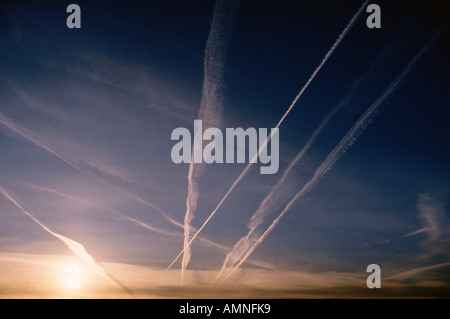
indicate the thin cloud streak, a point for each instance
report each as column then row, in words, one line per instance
column 352, row 135
column 431, row 213
column 16, row 128
column 77, row 248
column 277, row 194
column 250, row 164
column 117, row 213
column 210, row 106
column 27, row 135
column 204, row 241
column 102, row 69
column 324, row 60
column 413, row 272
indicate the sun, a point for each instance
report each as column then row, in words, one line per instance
column 73, row 276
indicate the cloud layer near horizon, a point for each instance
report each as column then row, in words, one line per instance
column 85, row 123
column 46, row 278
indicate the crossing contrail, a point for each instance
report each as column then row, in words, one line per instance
column 277, row 194
column 247, row 168
column 347, row 141
column 205, row 241
column 210, row 106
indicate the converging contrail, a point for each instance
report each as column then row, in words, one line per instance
column 250, row 164
column 277, row 194
column 205, row 241
column 210, row 106
column 77, row 248
column 347, row 141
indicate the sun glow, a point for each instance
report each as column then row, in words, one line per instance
column 73, row 276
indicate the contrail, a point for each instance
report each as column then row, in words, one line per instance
column 414, row 272
column 105, row 207
column 277, row 195
column 29, row 137
column 250, row 164
column 329, row 53
column 210, row 106
column 347, row 141
column 204, row 241
column 77, row 248
column 23, row 132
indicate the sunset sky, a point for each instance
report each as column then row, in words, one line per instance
column 86, row 175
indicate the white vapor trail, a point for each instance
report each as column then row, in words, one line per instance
column 77, row 248
column 277, row 194
column 250, row 164
column 23, row 132
column 204, row 241
column 327, row 56
column 346, row 142
column 29, row 136
column 210, row 106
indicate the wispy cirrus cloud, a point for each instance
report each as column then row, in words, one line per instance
column 210, row 106
column 156, row 229
column 435, row 224
column 31, row 137
column 160, row 95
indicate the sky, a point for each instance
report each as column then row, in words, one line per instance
column 87, row 178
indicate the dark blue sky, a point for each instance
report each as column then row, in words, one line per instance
column 86, row 117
